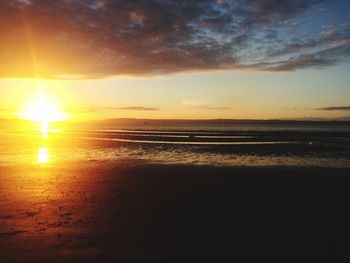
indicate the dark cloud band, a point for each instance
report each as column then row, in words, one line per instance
column 99, row 38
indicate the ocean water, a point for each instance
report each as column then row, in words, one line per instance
column 219, row 144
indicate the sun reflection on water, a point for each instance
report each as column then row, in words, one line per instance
column 43, row 156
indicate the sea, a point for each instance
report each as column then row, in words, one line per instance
column 306, row 144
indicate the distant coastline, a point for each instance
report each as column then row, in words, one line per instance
column 8, row 124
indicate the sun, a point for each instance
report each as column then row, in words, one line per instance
column 43, row 110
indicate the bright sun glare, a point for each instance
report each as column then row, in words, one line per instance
column 44, row 111
column 43, row 156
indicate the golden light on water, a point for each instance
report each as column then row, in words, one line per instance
column 43, row 156
column 45, row 111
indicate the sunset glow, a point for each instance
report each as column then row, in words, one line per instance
column 43, row 111
column 174, row 130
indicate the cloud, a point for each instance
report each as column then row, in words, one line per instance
column 205, row 107
column 101, row 38
column 323, row 58
column 99, row 109
column 336, row 108
column 139, row 108
column 200, row 105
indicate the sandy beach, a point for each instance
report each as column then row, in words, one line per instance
column 135, row 211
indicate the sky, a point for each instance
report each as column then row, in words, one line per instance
column 232, row 59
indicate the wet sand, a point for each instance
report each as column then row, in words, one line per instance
column 132, row 211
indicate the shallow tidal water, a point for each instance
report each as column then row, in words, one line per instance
column 329, row 147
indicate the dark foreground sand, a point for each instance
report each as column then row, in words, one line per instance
column 134, row 212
